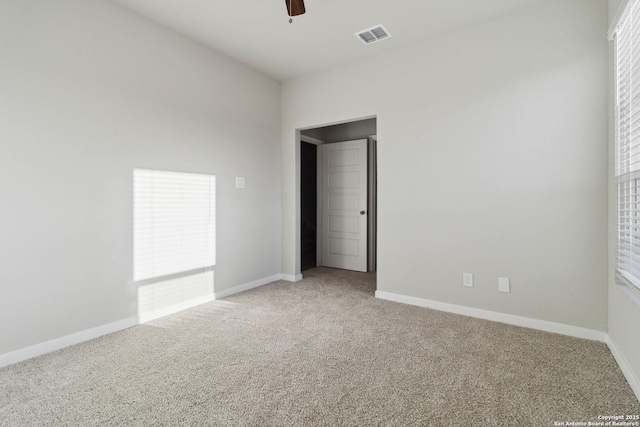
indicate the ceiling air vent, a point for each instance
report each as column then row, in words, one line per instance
column 373, row 34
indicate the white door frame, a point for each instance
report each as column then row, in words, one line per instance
column 372, row 219
column 372, row 208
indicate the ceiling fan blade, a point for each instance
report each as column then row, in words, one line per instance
column 295, row 7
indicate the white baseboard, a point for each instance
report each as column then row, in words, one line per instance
column 66, row 341
column 175, row 308
column 247, row 286
column 543, row 325
column 624, row 367
column 89, row 334
column 292, row 278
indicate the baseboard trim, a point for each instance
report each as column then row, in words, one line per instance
column 247, row 286
column 65, row 341
column 89, row 334
column 291, row 277
column 633, row 381
column 542, row 325
column 174, row 308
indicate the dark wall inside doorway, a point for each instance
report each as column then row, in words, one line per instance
column 308, row 205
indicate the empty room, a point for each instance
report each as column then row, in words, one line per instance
column 319, row 212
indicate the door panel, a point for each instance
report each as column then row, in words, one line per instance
column 346, row 247
column 344, row 201
column 348, row 157
column 343, row 224
column 344, row 205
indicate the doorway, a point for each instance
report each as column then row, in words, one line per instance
column 314, row 227
column 344, row 218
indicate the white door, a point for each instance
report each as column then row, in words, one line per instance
column 344, row 205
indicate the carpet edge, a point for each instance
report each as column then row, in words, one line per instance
column 247, row 286
column 39, row 349
column 511, row 319
column 628, row 373
column 59, row 343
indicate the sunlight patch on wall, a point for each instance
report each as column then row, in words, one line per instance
column 174, row 240
column 173, row 295
column 174, row 222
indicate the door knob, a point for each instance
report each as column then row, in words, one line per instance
column 362, row 212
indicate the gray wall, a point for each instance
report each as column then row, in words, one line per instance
column 88, row 92
column 491, row 160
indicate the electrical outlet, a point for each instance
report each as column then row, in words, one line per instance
column 239, row 182
column 467, row 280
column 503, row 284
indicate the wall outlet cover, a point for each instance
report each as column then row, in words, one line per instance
column 467, row 280
column 239, row 182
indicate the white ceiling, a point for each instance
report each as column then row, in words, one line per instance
column 257, row 32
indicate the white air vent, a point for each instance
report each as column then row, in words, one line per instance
column 373, row 34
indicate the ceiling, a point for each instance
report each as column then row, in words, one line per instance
column 258, row 34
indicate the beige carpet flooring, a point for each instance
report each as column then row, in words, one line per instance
column 320, row 352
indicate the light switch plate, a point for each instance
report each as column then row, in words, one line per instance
column 239, row 182
column 503, row 284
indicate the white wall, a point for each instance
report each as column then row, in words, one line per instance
column 624, row 312
column 491, row 160
column 88, row 92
